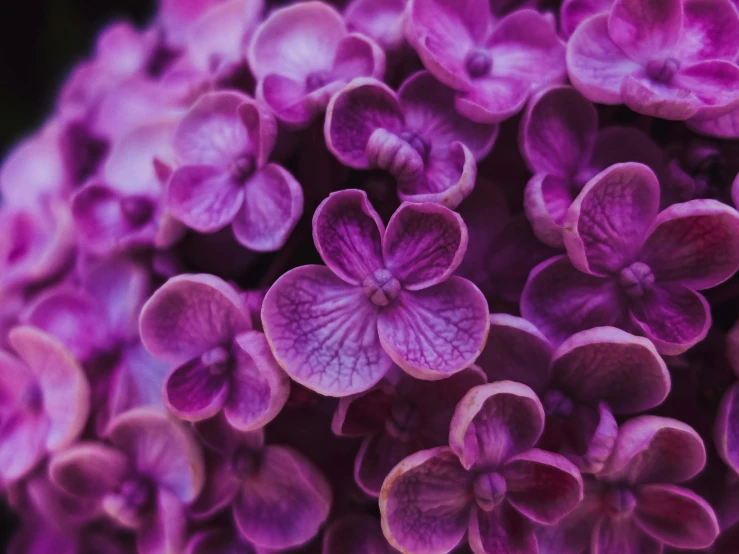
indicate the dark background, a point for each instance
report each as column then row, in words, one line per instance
column 40, row 40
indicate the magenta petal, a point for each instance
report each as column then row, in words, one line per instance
column 259, row 387
column 558, row 131
column 358, row 56
column 516, row 351
column 381, row 20
column 593, row 437
column 287, row 98
column 608, row 222
column 348, row 234
column 501, row 530
column 574, row 12
column 655, row 449
column 379, row 454
column 424, row 244
column 494, row 422
column 360, row 414
column 88, row 469
column 22, row 445
column 710, row 30
column 425, row 502
column 218, row 540
column 194, row 392
column 358, row 534
column 546, row 201
column 675, row 516
column 285, row 504
column 621, row 535
column 166, row 529
column 323, row 332
column 219, row 490
column 663, row 100
column 273, row 204
column 493, row 100
column 625, row 144
column 726, row 126
column 189, row 315
column 607, row 364
column 673, row 317
column 435, row 332
column 714, row 84
column 645, row 28
column 448, row 180
column 695, row 243
column 726, row 432
column 560, row 300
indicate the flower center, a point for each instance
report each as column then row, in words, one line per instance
column 416, row 141
column 218, row 359
column 662, row 71
column 137, row 209
column 242, row 167
column 636, row 279
column 478, row 63
column 489, row 490
column 403, row 421
column 317, row 79
column 244, row 462
column 381, row 287
column 619, row 502
column 557, row 404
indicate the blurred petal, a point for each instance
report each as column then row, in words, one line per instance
column 726, row 433
column 621, row 536
column 88, row 469
column 165, row 530
column 358, row 534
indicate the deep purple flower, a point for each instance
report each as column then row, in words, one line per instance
column 398, row 419
column 633, row 268
column 222, row 146
column 278, row 498
column 302, row 54
column 591, row 376
column 44, row 401
column 670, row 59
column 381, row 20
column 143, row 480
column 490, row 482
column 386, row 296
column 415, row 134
column 493, row 65
column 564, row 149
column 358, row 534
column 200, row 324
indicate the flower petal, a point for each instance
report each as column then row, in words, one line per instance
column 424, row 244
column 358, row 56
column 193, row 392
column 645, row 29
column 621, row 536
column 607, row 364
column 348, row 235
column 573, row 12
column 425, row 502
column 22, row 445
column 493, row 99
column 165, row 530
column 714, row 84
column 377, row 456
column 591, row 437
column 657, row 99
column 558, row 131
column 218, row 540
column 219, row 490
column 546, row 201
column 501, row 530
column 615, row 145
column 675, row 516
column 609, row 220
column 710, row 30
column 726, row 126
column 726, row 432
column 655, row 449
column 88, row 469
column 381, row 20
column 695, row 243
column 361, row 414
column 494, row 422
column 285, row 504
column 189, row 315
column 435, row 332
column 323, row 332
column 359, row 534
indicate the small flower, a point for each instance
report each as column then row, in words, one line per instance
column 630, row 267
column 355, row 533
column 669, row 59
column 200, row 324
column 493, row 65
column 386, row 296
column 399, row 420
column 143, row 480
column 490, row 483
column 302, row 54
column 415, row 134
column 222, row 146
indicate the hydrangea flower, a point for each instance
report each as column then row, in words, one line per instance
column 493, row 65
column 359, row 534
column 633, row 268
column 200, row 324
column 668, row 59
column 490, row 482
column 228, row 181
column 591, row 376
column 415, row 134
column 302, row 54
column 45, row 401
column 278, row 498
column 142, row 480
column 399, row 418
column 386, row 296
column 563, row 147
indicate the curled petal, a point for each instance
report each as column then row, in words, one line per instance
column 386, row 150
column 377, row 456
column 546, row 201
column 88, row 469
column 194, row 392
column 726, row 433
column 592, row 439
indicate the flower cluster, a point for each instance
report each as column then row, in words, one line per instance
column 377, row 276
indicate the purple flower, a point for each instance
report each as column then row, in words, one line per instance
column 386, row 296
column 633, row 268
column 302, row 54
column 222, row 146
column 200, row 324
column 44, row 401
column 381, row 20
column 359, row 534
column 143, row 480
column 562, row 146
column 726, row 433
column 399, row 419
column 493, row 65
column 591, row 376
column 490, row 482
column 278, row 498
column 416, row 135
column 668, row 59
